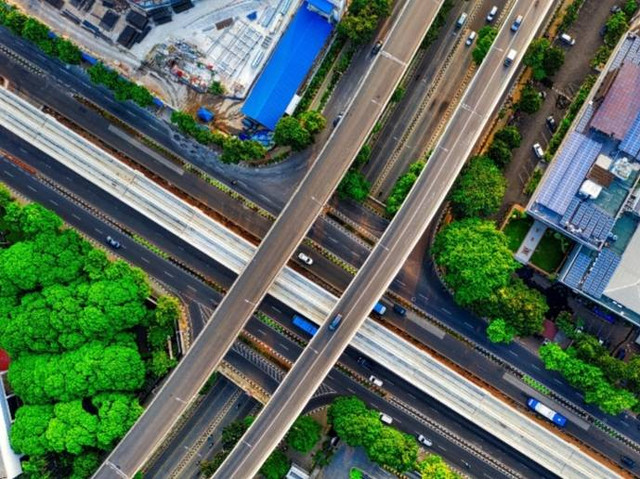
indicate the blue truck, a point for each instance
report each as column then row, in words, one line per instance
column 556, row 418
column 379, row 308
column 304, row 324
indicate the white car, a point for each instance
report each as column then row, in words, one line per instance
column 305, row 259
column 470, row 38
column 386, row 419
column 537, row 149
column 424, row 441
column 376, row 381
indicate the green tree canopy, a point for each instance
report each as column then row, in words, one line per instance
column 276, row 466
column 304, row 434
column 476, row 258
column 499, row 331
column 499, row 152
column 289, row 132
column 486, row 36
column 312, row 121
column 354, row 185
column 510, row 135
column 617, row 25
column 479, row 189
column 433, row 467
column 530, row 100
column 543, row 58
column 394, row 449
column 403, row 186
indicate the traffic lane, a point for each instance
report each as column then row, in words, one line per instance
column 376, row 274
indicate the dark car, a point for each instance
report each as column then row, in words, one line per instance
column 551, row 123
column 376, row 48
column 399, row 309
column 627, row 461
column 364, row 362
column 115, row 244
column 337, row 119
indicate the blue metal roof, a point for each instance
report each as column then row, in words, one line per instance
column 324, row 6
column 204, row 114
column 287, row 68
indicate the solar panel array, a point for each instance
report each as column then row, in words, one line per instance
column 622, row 52
column 577, row 271
column 603, row 268
column 568, row 172
column 592, row 223
column 633, row 54
column 583, row 123
column 571, row 209
column 631, row 142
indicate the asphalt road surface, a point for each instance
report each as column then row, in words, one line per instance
column 252, row 285
column 201, row 297
column 390, row 253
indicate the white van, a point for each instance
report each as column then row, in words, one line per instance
column 386, row 419
column 510, row 58
column 492, row 14
column 376, row 381
column 567, row 39
column 461, row 20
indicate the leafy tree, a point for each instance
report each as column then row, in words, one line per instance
column 534, row 57
column 617, row 25
column 216, row 88
column 85, row 465
column 235, row 150
column 630, row 8
column 116, row 413
column 209, row 468
column 433, row 467
column 36, row 467
column 499, row 152
column 398, row 94
column 479, row 189
column 553, row 60
column 510, row 135
column 500, row 332
column 486, row 36
column 354, row 185
column 476, row 258
column 28, row 432
column 521, row 307
column 232, row 433
column 313, row 121
column 167, row 311
column 289, row 132
column 402, row 187
column 67, row 51
column 276, row 466
column 362, row 157
column 15, row 21
column 354, row 422
column 304, row 434
column 393, row 449
column 71, row 429
column 160, row 363
column 566, row 324
column 530, row 100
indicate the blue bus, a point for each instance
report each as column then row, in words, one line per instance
column 304, row 324
column 557, row 418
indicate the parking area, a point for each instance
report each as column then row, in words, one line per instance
column 566, row 82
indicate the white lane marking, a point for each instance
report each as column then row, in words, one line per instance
column 191, row 288
column 97, row 230
column 283, row 347
column 8, row 174
column 169, row 274
column 144, row 259
column 53, row 202
column 32, row 188
column 75, row 216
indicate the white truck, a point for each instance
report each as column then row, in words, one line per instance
column 510, row 58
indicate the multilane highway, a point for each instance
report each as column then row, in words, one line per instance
column 251, row 286
column 430, row 190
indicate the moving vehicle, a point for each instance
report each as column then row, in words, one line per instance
column 470, row 38
column 424, row 441
column 515, row 26
column 379, row 308
column 305, row 259
column 461, row 20
column 337, row 119
column 399, row 309
column 551, row 123
column 376, row 48
column 364, row 362
column 386, row 419
column 335, row 322
column 537, row 149
column 492, row 13
column 627, row 461
column 115, row 244
column 376, row 381
column 510, row 58
column 550, row 414
column 304, row 324
column 567, row 39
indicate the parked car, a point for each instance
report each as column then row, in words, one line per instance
column 424, row 441
column 386, row 419
column 567, row 39
column 537, row 149
column 115, row 244
column 492, row 13
column 616, row 9
column 551, row 123
column 305, row 259
column 461, row 20
column 376, row 48
column 470, row 38
column 515, row 26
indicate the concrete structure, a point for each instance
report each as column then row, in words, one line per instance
column 9, row 460
column 290, row 287
column 590, row 191
column 296, row 472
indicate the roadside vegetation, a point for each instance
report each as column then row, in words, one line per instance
column 360, row 426
column 84, row 342
column 298, row 131
column 403, row 186
column 486, row 36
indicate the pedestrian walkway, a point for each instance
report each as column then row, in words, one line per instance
column 530, row 243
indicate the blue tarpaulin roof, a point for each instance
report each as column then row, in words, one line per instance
column 287, row 67
column 324, row 6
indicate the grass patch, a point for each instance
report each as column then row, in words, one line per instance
column 551, row 251
column 515, row 230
